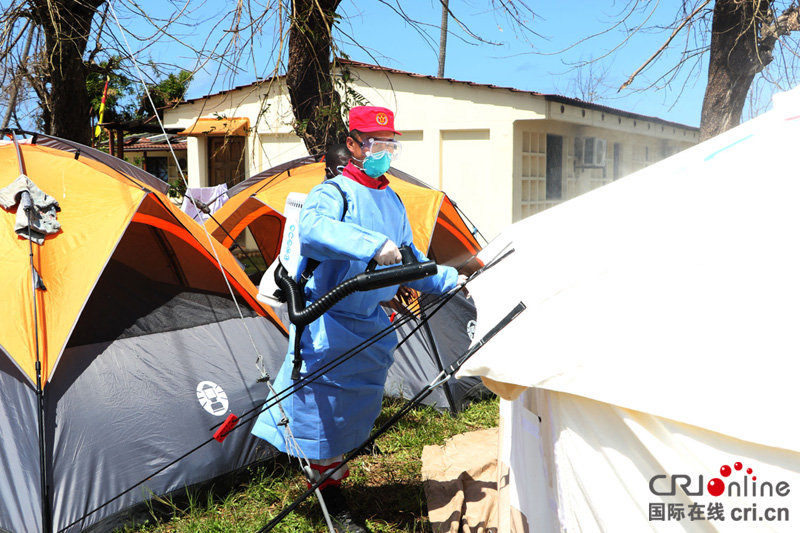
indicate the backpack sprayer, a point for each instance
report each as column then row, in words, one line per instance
column 280, row 283
column 288, row 255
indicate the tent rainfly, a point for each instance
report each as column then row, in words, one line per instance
column 135, row 340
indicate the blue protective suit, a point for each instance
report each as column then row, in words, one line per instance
column 336, row 412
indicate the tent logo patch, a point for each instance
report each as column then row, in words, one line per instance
column 735, row 488
column 471, row 325
column 212, row 398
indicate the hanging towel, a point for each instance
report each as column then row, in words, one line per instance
column 36, row 215
column 208, row 200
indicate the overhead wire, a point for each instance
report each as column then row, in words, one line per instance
column 259, row 359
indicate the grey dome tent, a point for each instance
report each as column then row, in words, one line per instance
column 138, row 336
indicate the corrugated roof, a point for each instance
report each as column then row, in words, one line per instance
column 549, row 97
column 135, row 143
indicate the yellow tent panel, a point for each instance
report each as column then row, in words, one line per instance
column 98, row 204
column 94, row 212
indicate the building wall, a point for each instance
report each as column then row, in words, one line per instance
column 459, row 140
column 485, row 147
column 270, row 142
column 631, row 144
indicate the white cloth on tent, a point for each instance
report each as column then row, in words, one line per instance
column 208, row 200
column 589, row 466
column 659, row 343
column 673, row 291
column 38, row 221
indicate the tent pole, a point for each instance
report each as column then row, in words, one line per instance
column 40, row 398
column 46, row 526
column 447, row 392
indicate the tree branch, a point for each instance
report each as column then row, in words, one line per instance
column 665, row 45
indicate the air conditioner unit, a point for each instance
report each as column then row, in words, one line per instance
column 590, row 152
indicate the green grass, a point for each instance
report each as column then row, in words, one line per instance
column 384, row 486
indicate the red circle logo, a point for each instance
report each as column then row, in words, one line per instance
column 716, row 487
column 382, row 119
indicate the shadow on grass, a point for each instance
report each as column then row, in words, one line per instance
column 398, row 507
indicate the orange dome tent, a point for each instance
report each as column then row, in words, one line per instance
column 124, row 351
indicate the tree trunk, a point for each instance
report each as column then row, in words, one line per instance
column 315, row 102
column 736, row 39
column 66, row 25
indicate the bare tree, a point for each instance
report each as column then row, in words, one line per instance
column 312, row 55
column 739, row 38
column 18, row 78
column 60, row 78
column 306, row 65
column 743, row 39
column 589, row 82
column 315, row 101
column 64, row 43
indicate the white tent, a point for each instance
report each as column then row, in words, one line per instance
column 661, row 339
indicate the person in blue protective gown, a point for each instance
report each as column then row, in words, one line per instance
column 335, row 413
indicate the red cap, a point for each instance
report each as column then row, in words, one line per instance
column 369, row 118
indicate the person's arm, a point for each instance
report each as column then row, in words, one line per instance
column 324, row 236
column 445, row 279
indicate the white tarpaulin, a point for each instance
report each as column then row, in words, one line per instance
column 673, row 293
column 588, row 466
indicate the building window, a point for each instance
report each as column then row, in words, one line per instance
column 617, row 160
column 555, row 163
column 542, row 172
column 157, row 166
column 641, row 157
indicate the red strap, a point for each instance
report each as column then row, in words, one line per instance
column 356, row 174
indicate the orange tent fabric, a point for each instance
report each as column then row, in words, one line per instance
column 258, row 202
column 98, row 205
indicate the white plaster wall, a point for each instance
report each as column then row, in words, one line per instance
column 458, row 137
column 277, row 148
column 270, row 142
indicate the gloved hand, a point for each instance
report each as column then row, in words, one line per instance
column 462, row 282
column 388, row 254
